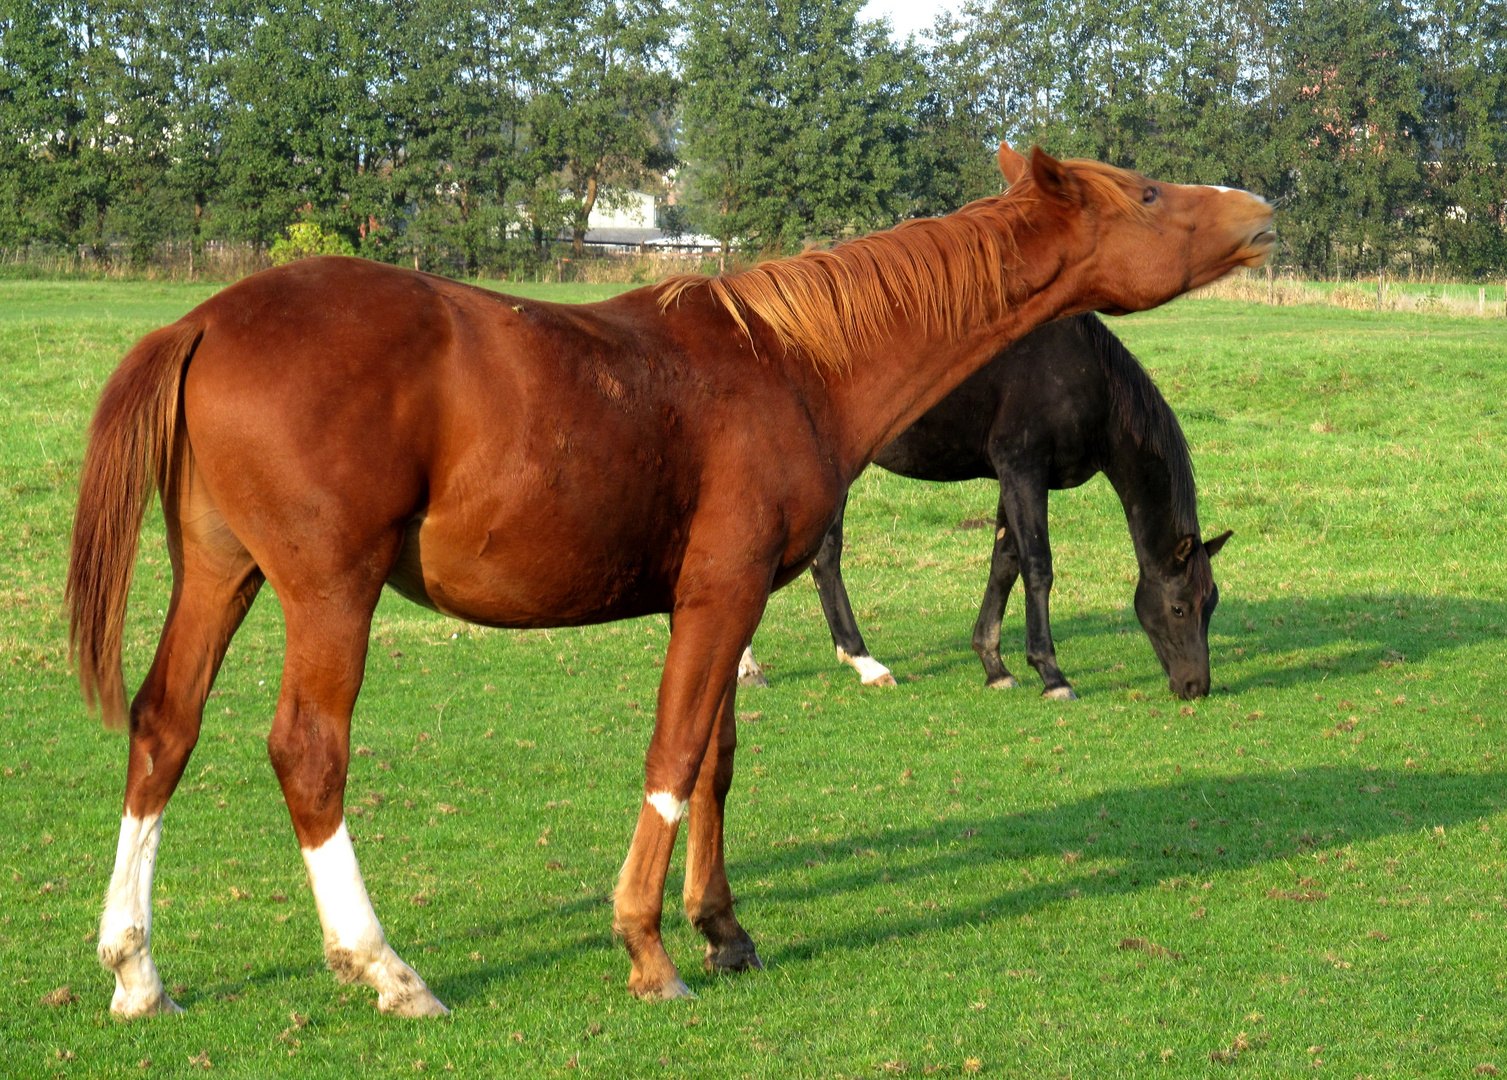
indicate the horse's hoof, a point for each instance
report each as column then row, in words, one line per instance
column 734, row 956
column 413, row 1006
column 870, row 671
column 160, row 1006
column 1007, row 683
column 1060, row 693
column 671, row 990
column 752, row 678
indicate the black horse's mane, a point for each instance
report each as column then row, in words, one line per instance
column 1147, row 419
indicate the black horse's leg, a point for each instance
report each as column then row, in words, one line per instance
column 1004, row 568
column 749, row 671
column 827, row 572
column 1024, row 498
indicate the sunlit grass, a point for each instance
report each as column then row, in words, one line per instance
column 940, row 877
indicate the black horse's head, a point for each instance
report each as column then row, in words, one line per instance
column 1174, row 600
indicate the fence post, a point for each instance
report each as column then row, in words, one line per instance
column 1271, row 285
column 1381, row 288
column 1481, row 300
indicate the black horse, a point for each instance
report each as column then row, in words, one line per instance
column 1063, row 403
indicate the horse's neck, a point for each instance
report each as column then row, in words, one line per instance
column 888, row 389
column 1143, row 481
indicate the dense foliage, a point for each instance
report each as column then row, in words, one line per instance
column 472, row 137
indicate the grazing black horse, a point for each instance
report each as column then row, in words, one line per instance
column 1063, row 403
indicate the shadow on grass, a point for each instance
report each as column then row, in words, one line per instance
column 1124, row 841
column 1109, row 845
column 1352, row 633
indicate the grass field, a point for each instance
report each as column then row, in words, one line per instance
column 941, row 878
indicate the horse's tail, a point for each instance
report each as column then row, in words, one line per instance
column 130, row 451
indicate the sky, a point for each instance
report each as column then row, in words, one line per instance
column 908, row 15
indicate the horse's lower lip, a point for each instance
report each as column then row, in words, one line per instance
column 1263, row 239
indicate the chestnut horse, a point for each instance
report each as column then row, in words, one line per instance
column 335, row 425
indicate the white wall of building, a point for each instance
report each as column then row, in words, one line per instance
column 636, row 211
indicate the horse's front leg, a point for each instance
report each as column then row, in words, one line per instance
column 310, row 749
column 709, row 630
column 708, row 897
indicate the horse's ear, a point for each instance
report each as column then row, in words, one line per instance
column 1184, row 549
column 1054, row 179
column 1211, row 547
column 1012, row 164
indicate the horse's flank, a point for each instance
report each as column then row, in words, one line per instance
column 946, row 274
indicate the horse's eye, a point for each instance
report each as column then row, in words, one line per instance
column 1179, row 610
column 1150, row 194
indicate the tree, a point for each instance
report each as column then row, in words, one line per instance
column 1351, row 130
column 199, row 43
column 601, row 99
column 794, row 112
column 1465, row 89
column 34, row 62
column 307, row 133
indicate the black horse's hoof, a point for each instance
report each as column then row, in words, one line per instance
column 738, row 955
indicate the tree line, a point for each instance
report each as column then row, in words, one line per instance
column 476, row 136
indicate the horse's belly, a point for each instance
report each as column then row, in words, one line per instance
column 517, row 578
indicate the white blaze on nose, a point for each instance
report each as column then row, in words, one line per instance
column 670, row 808
column 1239, row 191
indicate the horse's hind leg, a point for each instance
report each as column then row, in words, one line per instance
column 1004, row 568
column 214, row 583
column 826, row 571
column 310, row 748
column 708, row 897
column 749, row 671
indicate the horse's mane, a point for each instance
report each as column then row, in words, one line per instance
column 949, row 273
column 1147, row 418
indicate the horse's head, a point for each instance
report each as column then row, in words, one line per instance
column 1128, row 243
column 1174, row 599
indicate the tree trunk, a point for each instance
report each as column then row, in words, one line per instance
column 583, row 218
column 193, row 241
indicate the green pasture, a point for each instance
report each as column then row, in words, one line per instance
column 1465, row 291
column 1302, row 874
